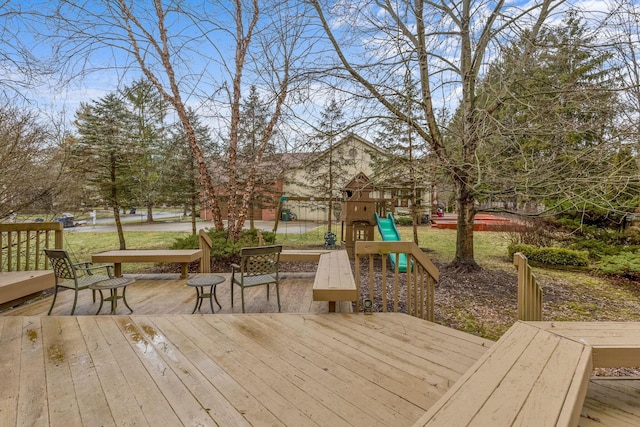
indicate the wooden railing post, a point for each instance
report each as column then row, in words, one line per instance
column 204, row 243
column 529, row 292
column 421, row 276
column 21, row 244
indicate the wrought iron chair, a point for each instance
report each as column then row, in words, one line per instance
column 258, row 266
column 76, row 276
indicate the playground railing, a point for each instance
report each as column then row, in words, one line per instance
column 411, row 292
column 529, row 292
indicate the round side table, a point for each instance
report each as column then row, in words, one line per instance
column 113, row 285
column 200, row 282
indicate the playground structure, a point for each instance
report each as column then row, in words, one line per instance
column 360, row 213
column 357, row 216
column 389, row 233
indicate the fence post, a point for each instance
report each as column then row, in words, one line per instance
column 204, row 243
column 529, row 292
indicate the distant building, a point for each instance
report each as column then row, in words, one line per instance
column 310, row 176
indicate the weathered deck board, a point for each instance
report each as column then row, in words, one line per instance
column 253, row 369
column 10, row 343
column 334, row 279
column 612, row 402
column 318, row 361
column 163, row 366
column 616, row 345
column 512, row 382
column 32, row 412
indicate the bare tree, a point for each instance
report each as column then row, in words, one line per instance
column 182, row 48
column 28, row 175
column 20, row 68
column 448, row 46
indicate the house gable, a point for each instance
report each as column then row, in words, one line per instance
column 352, row 155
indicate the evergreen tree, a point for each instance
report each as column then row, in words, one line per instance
column 103, row 152
column 181, row 184
column 552, row 140
column 254, row 116
column 408, row 165
column 148, row 111
column 324, row 176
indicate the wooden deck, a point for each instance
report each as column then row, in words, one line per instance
column 612, row 402
column 164, row 366
column 160, row 294
column 230, row 370
column 542, row 371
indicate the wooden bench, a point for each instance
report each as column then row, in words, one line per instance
column 529, row 374
column 182, row 256
column 334, row 280
column 15, row 285
column 24, row 270
column 291, row 255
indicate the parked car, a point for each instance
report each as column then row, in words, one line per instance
column 67, row 220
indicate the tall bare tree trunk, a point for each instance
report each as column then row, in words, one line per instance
column 464, row 257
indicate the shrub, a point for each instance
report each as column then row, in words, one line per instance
column 551, row 255
column 526, row 250
column 596, row 248
column 221, row 246
column 533, row 231
column 632, row 235
column 404, row 220
column 626, row 264
column 562, row 256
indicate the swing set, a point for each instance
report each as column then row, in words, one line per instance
column 296, row 208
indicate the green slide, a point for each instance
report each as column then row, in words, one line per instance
column 389, row 232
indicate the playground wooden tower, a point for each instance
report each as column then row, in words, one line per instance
column 358, row 219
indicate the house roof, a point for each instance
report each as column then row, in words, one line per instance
column 313, row 157
column 360, row 182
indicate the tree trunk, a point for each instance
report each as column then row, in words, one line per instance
column 464, row 258
column 116, row 215
column 251, row 219
column 415, row 227
column 149, row 213
column 114, row 201
column 194, row 201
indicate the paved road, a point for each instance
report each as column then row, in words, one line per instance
column 291, row 227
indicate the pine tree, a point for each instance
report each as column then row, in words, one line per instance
column 324, row 175
column 181, row 184
column 148, row 111
column 407, row 165
column 103, row 152
column 254, row 116
column 553, row 139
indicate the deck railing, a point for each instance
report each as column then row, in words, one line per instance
column 204, row 243
column 21, row 245
column 529, row 292
column 417, row 284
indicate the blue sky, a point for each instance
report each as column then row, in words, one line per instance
column 207, row 60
